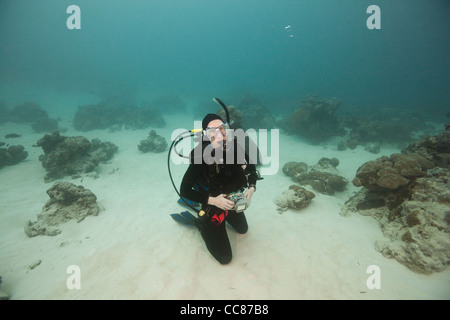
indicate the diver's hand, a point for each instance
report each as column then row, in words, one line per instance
column 249, row 193
column 221, row 202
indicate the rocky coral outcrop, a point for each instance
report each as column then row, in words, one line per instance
column 410, row 198
column 27, row 112
column 296, row 198
column 322, row 177
column 66, row 156
column 153, row 143
column 373, row 147
column 12, row 155
column 255, row 114
column 32, row 113
column 315, row 120
column 389, row 125
column 365, row 130
column 414, row 219
column 391, row 173
column 67, row 202
column 434, row 148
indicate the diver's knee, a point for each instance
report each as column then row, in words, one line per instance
column 224, row 259
column 243, row 229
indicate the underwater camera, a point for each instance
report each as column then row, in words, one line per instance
column 240, row 203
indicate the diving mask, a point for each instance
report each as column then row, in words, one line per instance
column 220, row 133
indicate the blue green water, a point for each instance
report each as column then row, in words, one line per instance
column 277, row 50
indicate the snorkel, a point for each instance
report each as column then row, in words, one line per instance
column 228, row 133
column 217, row 100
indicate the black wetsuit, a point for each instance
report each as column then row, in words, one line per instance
column 202, row 181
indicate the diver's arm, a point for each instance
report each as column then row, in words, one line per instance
column 253, row 176
column 250, row 172
column 249, row 167
column 187, row 185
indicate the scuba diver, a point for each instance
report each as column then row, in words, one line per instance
column 222, row 182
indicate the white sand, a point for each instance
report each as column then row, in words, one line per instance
column 134, row 250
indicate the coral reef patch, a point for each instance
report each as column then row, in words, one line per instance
column 435, row 148
column 12, row 155
column 255, row 114
column 319, row 119
column 409, row 195
column 296, row 198
column 32, row 113
column 153, row 143
column 323, row 177
column 386, row 126
column 365, row 130
column 67, row 202
column 391, row 173
column 66, row 156
column 315, row 120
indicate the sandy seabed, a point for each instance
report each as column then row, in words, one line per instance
column 134, row 250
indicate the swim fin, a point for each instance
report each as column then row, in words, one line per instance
column 186, row 202
column 184, row 218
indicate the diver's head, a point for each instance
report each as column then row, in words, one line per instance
column 216, row 131
column 208, row 118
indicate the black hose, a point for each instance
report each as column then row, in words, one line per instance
column 175, row 141
column 217, row 100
